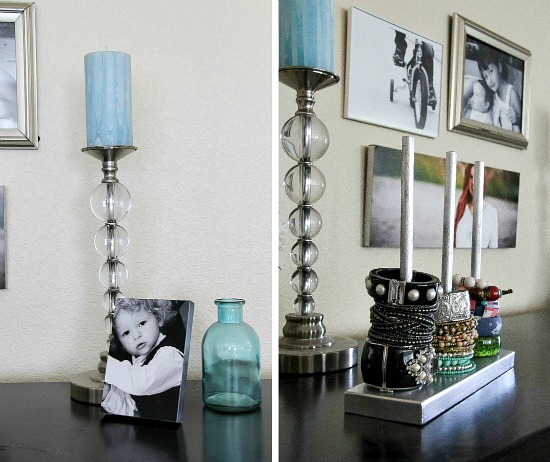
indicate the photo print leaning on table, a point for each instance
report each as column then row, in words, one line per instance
column 148, row 358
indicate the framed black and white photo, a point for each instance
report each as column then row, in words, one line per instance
column 489, row 85
column 148, row 356
column 393, row 76
column 382, row 212
column 18, row 92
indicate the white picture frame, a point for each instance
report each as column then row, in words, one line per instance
column 403, row 94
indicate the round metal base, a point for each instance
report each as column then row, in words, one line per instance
column 342, row 354
column 86, row 390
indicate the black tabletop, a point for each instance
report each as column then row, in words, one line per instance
column 314, row 427
column 39, row 422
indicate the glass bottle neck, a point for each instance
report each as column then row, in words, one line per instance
column 230, row 311
column 230, row 315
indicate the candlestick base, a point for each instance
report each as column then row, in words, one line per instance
column 87, row 387
column 342, row 354
column 86, row 390
column 305, row 349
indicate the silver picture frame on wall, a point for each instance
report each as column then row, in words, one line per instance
column 489, row 85
column 18, row 91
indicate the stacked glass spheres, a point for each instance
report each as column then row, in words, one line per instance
column 305, row 139
column 110, row 202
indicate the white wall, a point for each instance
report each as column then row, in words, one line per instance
column 343, row 263
column 200, row 220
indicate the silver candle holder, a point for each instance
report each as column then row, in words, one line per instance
column 304, row 347
column 110, row 202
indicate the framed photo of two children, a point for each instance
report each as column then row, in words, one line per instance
column 489, row 85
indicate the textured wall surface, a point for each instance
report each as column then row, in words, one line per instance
column 200, row 224
column 343, row 263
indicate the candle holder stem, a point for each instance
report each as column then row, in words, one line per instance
column 305, row 348
column 110, row 202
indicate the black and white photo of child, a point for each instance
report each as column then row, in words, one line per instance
column 498, row 78
column 385, row 69
column 147, row 359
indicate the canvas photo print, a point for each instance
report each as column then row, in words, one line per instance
column 393, row 76
column 148, row 357
column 382, row 216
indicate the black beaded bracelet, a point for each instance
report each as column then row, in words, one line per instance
column 402, row 325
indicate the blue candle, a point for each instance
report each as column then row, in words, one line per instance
column 306, row 33
column 108, row 99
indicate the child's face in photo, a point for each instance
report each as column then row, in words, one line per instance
column 137, row 331
column 491, row 75
column 478, row 101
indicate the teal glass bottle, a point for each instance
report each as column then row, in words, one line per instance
column 231, row 361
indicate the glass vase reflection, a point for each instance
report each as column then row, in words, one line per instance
column 231, row 361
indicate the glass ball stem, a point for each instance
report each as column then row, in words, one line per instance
column 304, row 185
column 110, row 202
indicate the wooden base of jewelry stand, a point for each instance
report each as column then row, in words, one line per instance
column 423, row 404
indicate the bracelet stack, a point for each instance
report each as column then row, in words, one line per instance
column 398, row 353
column 455, row 334
column 485, row 308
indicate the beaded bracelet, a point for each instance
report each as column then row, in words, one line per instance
column 402, row 325
column 460, row 339
column 461, row 343
column 447, row 360
column 457, row 349
column 456, row 326
column 456, row 369
column 454, row 355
